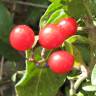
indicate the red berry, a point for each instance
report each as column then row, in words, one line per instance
column 61, row 62
column 51, row 36
column 22, row 37
column 69, row 26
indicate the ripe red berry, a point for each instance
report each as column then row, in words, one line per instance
column 21, row 37
column 69, row 26
column 51, row 36
column 61, row 62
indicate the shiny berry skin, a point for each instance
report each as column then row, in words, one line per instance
column 69, row 26
column 51, row 36
column 22, row 37
column 61, row 62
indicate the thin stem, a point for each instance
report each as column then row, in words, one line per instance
column 82, row 77
column 1, row 92
column 85, row 29
column 88, row 10
column 26, row 4
column 43, row 53
column 13, row 9
column 1, row 67
column 72, row 91
column 49, row 54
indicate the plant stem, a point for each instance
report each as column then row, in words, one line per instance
column 1, row 67
column 82, row 77
column 26, row 3
column 71, row 91
column 43, row 53
column 88, row 10
column 13, row 9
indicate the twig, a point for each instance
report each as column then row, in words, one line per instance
column 88, row 10
column 82, row 77
column 72, row 91
column 1, row 92
column 1, row 67
column 86, row 29
column 13, row 9
column 43, row 53
column 5, row 83
column 26, row 3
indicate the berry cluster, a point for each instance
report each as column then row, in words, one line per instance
column 50, row 37
column 53, row 35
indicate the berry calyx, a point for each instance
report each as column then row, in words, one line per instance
column 61, row 62
column 22, row 37
column 68, row 26
column 51, row 36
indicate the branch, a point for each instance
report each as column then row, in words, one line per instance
column 88, row 11
column 82, row 77
column 43, row 53
column 1, row 67
column 26, row 3
column 72, row 91
column 13, row 9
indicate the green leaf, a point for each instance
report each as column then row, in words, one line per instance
column 73, row 75
column 80, row 94
column 78, row 57
column 55, row 18
column 69, row 47
column 37, row 53
column 6, row 23
column 80, row 8
column 76, row 52
column 85, row 52
column 51, row 0
column 50, row 10
column 56, row 0
column 38, row 81
column 93, row 76
column 78, row 39
column 76, row 8
column 82, row 43
column 91, row 4
column 89, row 88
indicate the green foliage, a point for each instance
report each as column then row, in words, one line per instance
column 52, row 10
column 85, row 52
column 38, row 81
column 6, row 23
column 74, row 6
column 80, row 94
column 78, row 39
column 93, row 76
column 55, row 18
column 89, row 88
